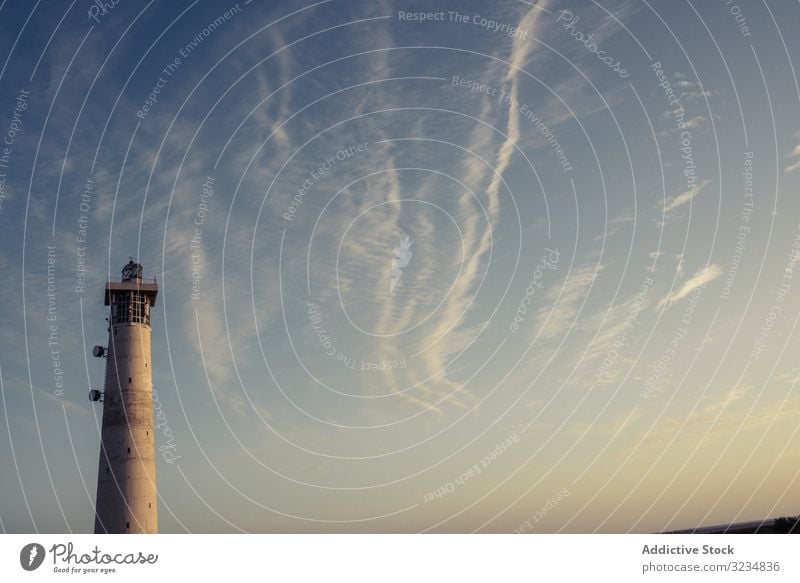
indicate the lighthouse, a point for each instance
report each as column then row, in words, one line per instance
column 126, row 477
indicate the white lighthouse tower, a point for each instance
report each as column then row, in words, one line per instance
column 126, row 479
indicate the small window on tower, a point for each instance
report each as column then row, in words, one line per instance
column 129, row 450
column 129, row 380
column 127, row 525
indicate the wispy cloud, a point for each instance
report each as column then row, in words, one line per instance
column 720, row 414
column 795, row 161
column 434, row 383
column 703, row 277
column 565, row 302
column 684, row 197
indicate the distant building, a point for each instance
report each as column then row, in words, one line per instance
column 784, row 525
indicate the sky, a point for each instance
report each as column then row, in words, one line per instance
column 423, row 266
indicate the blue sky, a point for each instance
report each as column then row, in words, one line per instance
column 424, row 267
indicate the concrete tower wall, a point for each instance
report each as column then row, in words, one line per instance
column 126, row 484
